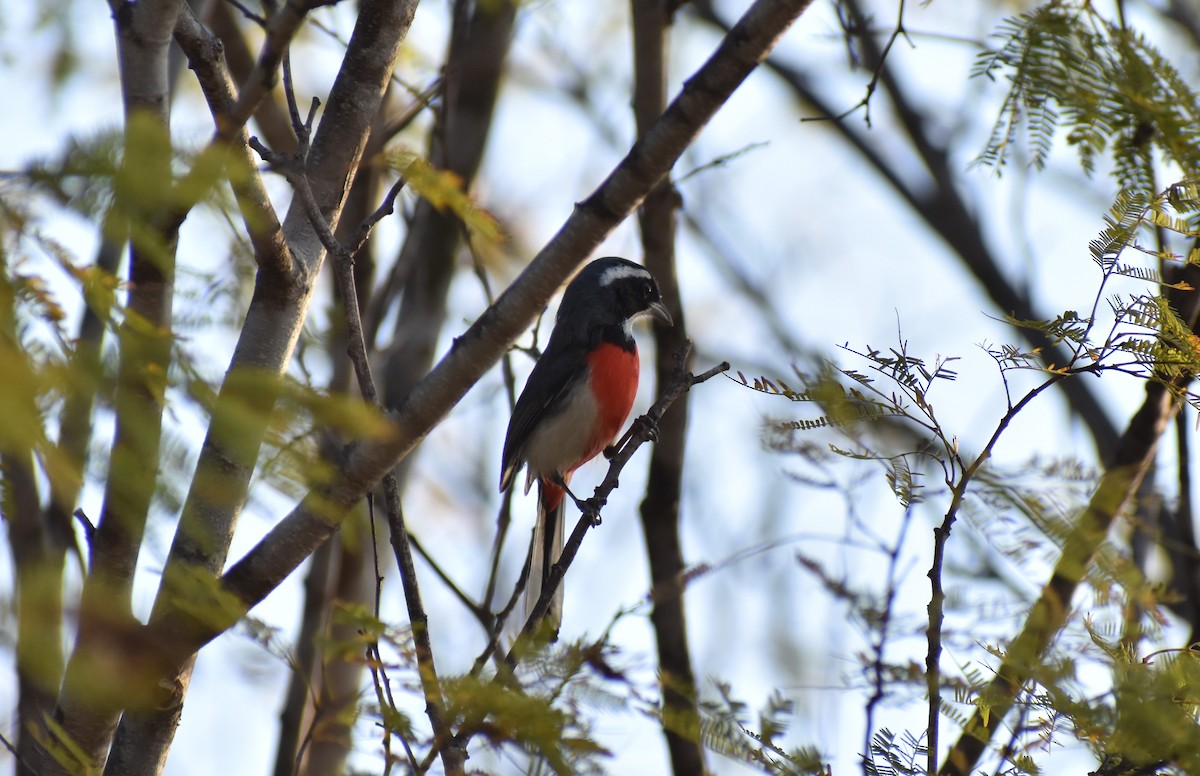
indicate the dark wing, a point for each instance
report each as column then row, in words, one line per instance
column 550, row 381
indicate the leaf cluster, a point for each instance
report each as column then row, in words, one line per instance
column 895, row 756
column 725, row 730
column 1138, row 332
column 1110, row 89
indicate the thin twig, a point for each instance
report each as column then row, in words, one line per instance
column 7, row 744
column 858, row 27
column 206, row 59
column 501, row 618
column 383, row 687
column 258, row 19
column 885, row 620
column 481, row 614
column 280, row 30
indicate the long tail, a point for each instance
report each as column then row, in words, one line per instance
column 547, row 547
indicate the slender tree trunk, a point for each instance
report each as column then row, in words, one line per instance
column 89, row 703
column 338, row 686
column 660, row 509
column 292, row 720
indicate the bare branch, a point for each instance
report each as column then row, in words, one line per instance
column 205, row 58
column 270, row 117
column 282, row 27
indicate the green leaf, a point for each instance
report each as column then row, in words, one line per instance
column 444, row 190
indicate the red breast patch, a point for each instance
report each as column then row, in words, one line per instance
column 614, row 381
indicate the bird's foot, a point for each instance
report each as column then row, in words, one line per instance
column 643, row 426
column 647, row 427
column 592, row 508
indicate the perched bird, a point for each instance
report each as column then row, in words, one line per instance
column 577, row 398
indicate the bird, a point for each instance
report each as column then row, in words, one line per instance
column 577, row 399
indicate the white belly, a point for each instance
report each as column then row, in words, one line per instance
column 560, row 442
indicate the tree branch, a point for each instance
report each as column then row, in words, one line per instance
column 282, row 27
column 206, row 59
column 270, row 117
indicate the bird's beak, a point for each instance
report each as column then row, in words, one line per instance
column 659, row 310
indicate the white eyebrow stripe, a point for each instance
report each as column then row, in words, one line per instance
column 613, row 274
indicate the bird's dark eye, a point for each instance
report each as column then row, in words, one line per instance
column 648, row 290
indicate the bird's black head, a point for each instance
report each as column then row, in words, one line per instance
column 609, row 293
